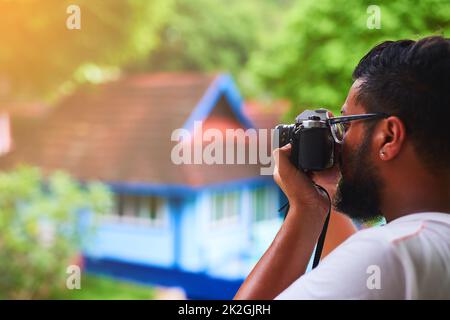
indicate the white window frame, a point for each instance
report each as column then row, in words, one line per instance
column 131, row 207
column 269, row 201
column 230, row 215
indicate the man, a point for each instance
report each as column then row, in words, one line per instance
column 394, row 164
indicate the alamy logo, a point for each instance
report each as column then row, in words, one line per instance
column 73, row 21
column 213, row 146
column 73, row 281
column 374, row 18
column 374, row 279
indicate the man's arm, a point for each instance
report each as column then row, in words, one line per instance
column 288, row 255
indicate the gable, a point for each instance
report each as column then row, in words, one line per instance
column 223, row 110
column 220, row 93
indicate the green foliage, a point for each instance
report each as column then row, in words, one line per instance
column 313, row 59
column 309, row 62
column 41, row 223
column 215, row 35
column 40, row 56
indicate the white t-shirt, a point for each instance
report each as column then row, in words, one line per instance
column 408, row 258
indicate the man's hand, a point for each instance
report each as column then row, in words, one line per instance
column 299, row 188
column 328, row 179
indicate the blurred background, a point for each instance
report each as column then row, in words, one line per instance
column 90, row 93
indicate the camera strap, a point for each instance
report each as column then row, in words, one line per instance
column 321, row 240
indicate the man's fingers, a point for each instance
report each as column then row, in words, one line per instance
column 284, row 166
column 282, row 154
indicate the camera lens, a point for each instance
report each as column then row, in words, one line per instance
column 283, row 135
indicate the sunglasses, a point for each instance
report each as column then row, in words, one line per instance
column 339, row 125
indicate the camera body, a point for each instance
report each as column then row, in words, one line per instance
column 313, row 146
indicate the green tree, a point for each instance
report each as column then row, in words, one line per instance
column 41, row 57
column 312, row 61
column 41, row 223
column 215, row 35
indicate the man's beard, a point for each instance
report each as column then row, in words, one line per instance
column 358, row 193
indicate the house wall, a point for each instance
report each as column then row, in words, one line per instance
column 263, row 232
column 230, row 249
column 210, row 248
column 135, row 243
column 191, row 256
column 190, row 241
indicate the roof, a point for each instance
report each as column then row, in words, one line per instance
column 120, row 132
column 266, row 115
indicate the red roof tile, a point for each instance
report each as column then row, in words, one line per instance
column 121, row 132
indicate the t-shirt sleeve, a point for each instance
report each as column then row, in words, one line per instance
column 362, row 267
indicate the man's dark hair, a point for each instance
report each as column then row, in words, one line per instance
column 411, row 80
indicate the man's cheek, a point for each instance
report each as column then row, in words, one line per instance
column 345, row 161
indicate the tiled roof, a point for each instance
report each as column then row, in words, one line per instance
column 121, row 132
column 266, row 115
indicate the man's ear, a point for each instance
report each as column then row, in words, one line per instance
column 390, row 137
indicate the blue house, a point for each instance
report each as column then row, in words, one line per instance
column 196, row 226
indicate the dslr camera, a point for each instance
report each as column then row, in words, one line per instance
column 312, row 140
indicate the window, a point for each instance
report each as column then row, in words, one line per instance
column 225, row 207
column 149, row 210
column 130, row 206
column 264, row 204
column 152, row 208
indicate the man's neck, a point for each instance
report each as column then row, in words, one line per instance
column 424, row 195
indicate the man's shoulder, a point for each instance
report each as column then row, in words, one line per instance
column 411, row 235
column 388, row 234
column 404, row 228
column 402, row 260
column 371, row 246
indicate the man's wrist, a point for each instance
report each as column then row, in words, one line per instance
column 312, row 215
